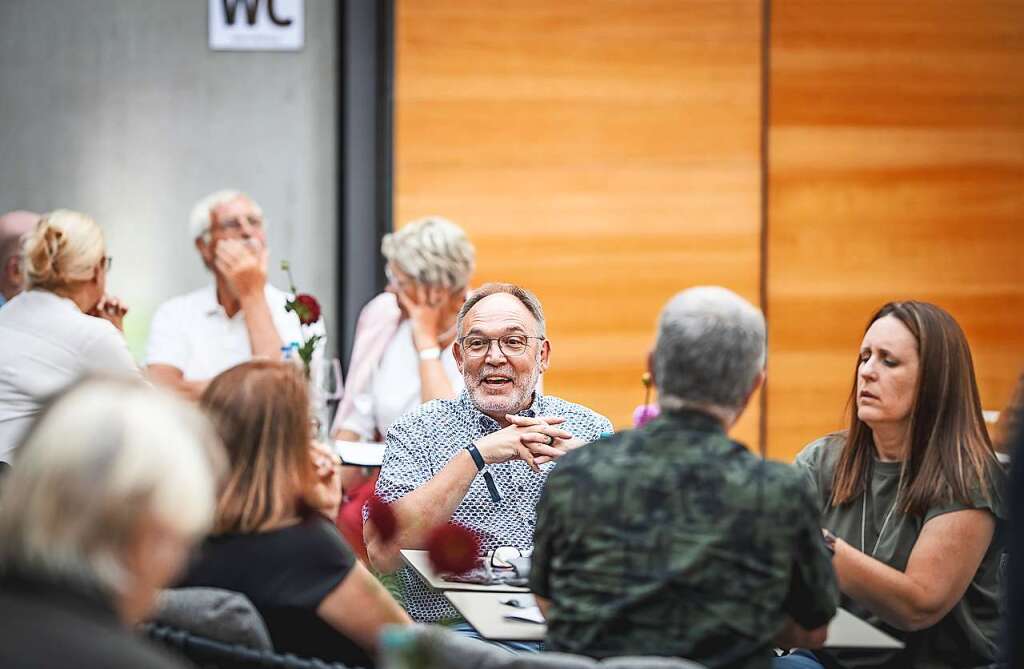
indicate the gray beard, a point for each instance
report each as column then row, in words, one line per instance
column 520, row 400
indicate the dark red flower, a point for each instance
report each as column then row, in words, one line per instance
column 453, row 549
column 306, row 308
column 382, row 517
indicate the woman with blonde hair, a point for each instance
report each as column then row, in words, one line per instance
column 112, row 486
column 402, row 354
column 402, row 351
column 912, row 497
column 62, row 326
column 274, row 540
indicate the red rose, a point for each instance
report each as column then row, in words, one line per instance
column 306, row 308
column 452, row 549
column 382, row 517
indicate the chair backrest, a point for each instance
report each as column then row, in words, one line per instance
column 220, row 615
column 209, row 654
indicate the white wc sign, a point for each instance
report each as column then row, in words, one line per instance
column 256, row 25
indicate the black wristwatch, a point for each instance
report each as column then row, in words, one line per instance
column 478, row 460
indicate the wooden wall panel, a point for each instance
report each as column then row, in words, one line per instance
column 604, row 153
column 896, row 171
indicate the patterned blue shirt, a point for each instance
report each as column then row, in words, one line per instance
column 423, row 441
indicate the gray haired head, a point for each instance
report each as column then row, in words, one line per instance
column 433, row 251
column 710, row 349
column 528, row 299
column 104, row 459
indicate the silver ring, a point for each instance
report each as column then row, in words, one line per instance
column 551, row 440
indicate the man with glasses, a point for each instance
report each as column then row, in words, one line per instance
column 196, row 336
column 481, row 459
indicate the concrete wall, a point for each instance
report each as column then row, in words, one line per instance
column 118, row 108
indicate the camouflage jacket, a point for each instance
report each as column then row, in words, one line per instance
column 674, row 540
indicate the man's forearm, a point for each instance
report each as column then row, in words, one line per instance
column 263, row 337
column 421, row 511
column 172, row 378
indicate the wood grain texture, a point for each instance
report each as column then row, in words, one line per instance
column 604, row 154
column 896, row 172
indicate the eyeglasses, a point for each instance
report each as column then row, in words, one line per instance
column 510, row 345
column 234, row 225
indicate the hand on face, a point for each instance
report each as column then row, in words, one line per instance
column 526, row 439
column 427, row 310
column 326, row 493
column 110, row 309
column 243, row 264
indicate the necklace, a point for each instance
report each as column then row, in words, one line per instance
column 863, row 523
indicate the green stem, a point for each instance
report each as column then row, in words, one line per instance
column 291, row 281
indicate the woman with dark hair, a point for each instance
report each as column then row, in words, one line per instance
column 912, row 496
column 274, row 540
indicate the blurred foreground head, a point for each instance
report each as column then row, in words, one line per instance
column 111, row 487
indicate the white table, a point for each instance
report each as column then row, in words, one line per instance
column 485, row 612
column 421, row 565
column 360, row 453
column 848, row 631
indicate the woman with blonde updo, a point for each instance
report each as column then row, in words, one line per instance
column 62, row 325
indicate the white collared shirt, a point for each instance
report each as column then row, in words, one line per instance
column 394, row 389
column 193, row 333
column 47, row 344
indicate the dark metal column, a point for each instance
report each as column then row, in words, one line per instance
column 365, row 153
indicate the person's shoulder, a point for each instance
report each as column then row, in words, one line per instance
column 276, row 298
column 320, row 534
column 185, row 303
column 603, row 459
column 785, row 476
column 383, row 306
column 314, row 538
column 138, row 652
column 73, row 631
column 118, row 649
column 822, row 453
column 100, row 332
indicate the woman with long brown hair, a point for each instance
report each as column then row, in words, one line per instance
column 274, row 540
column 911, row 495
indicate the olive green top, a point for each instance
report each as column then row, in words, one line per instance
column 967, row 635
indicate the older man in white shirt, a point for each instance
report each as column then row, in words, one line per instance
column 196, row 336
